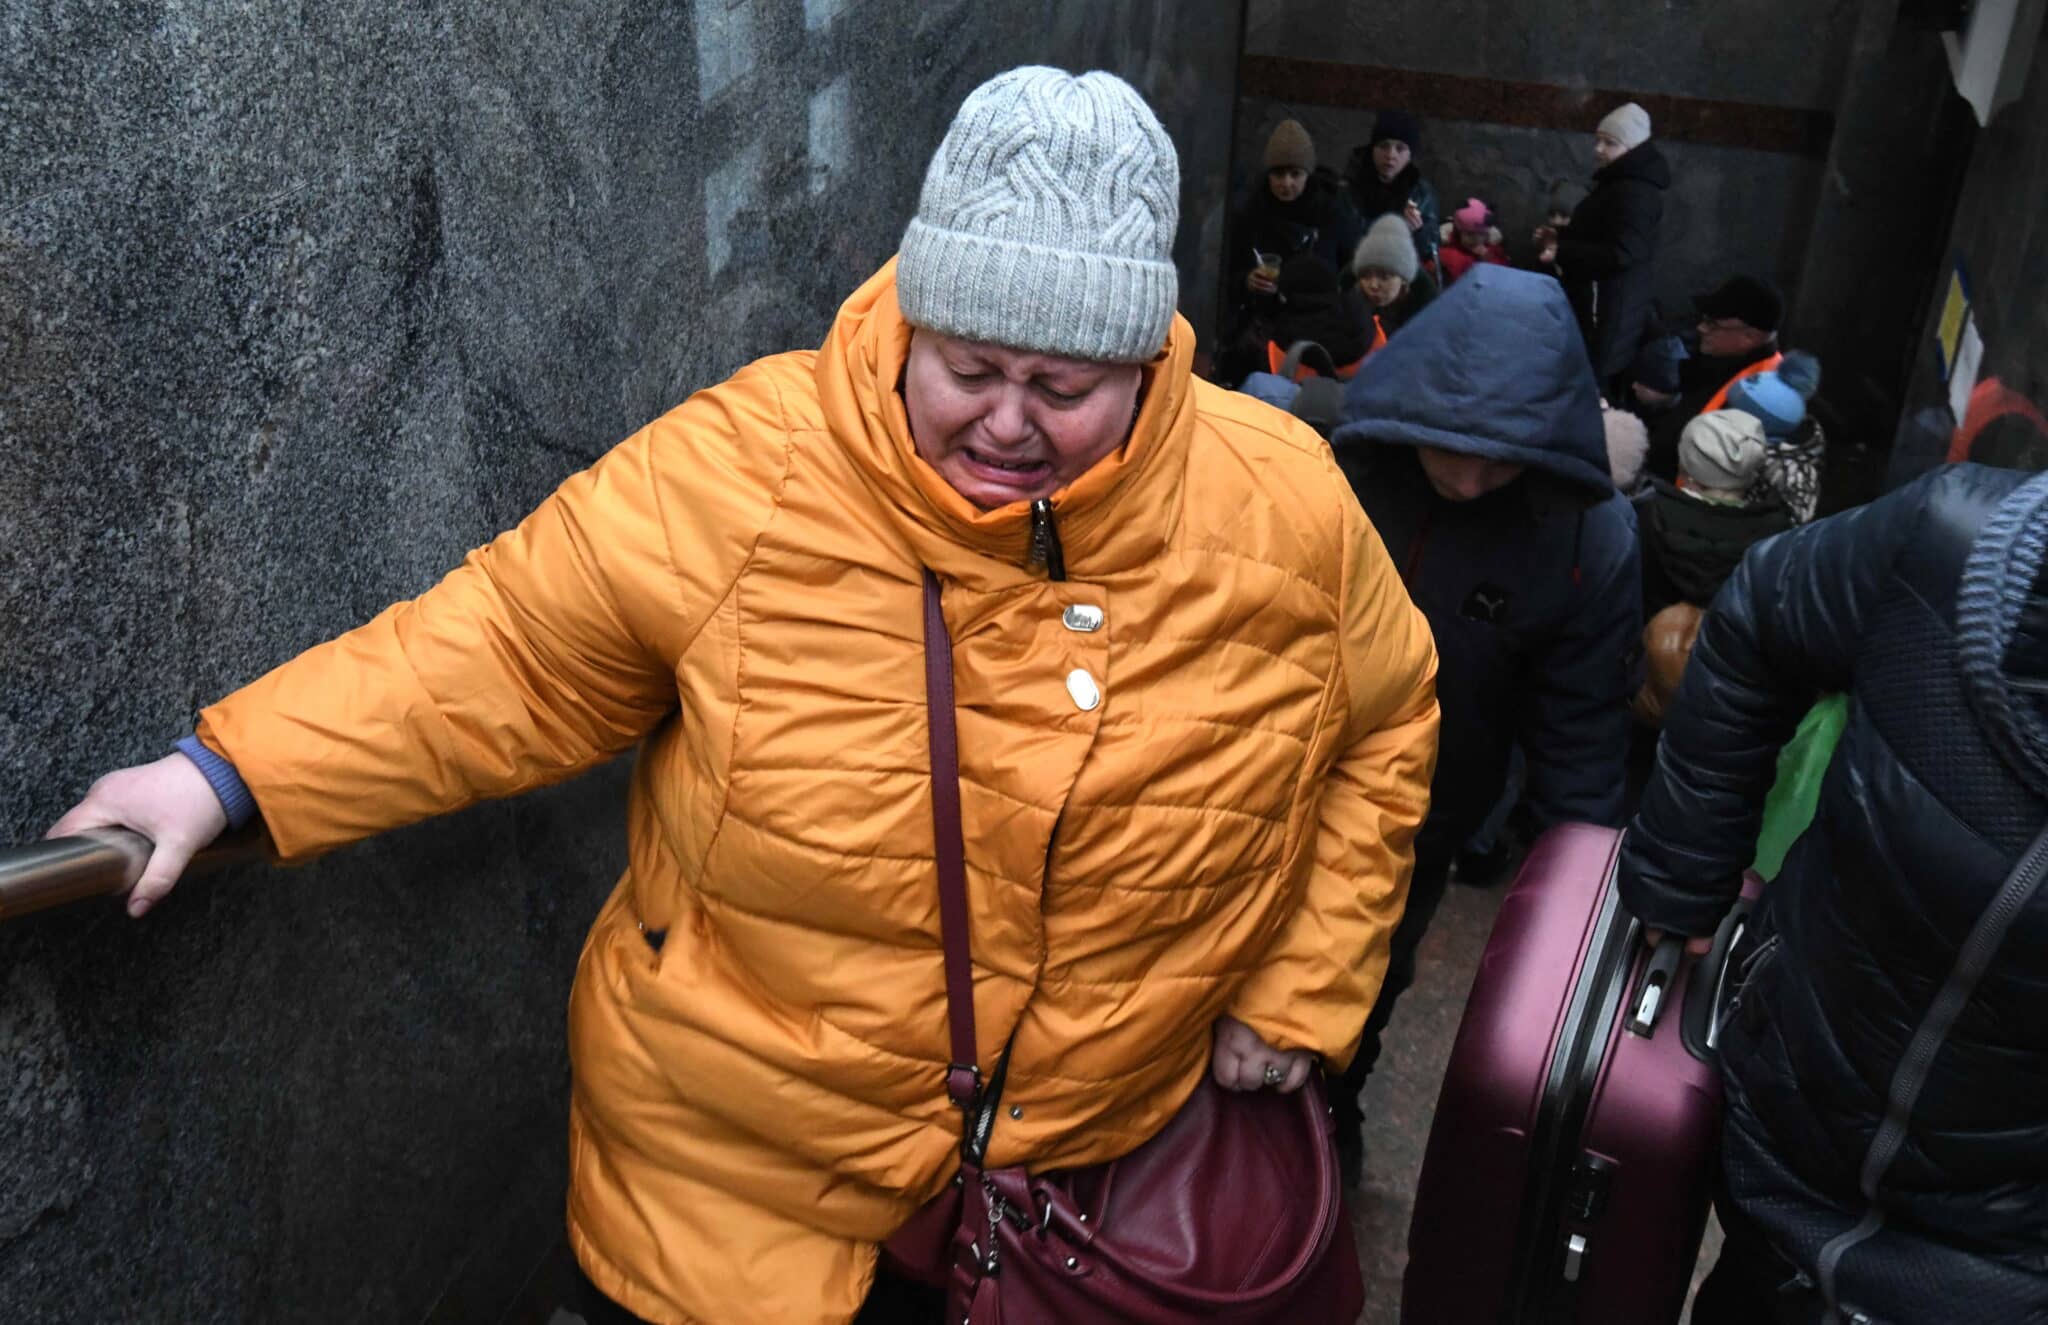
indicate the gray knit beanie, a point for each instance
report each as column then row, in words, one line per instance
column 1047, row 221
column 1722, row 450
column 1388, row 246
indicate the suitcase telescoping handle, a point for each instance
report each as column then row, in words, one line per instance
column 1700, row 1027
column 1654, row 990
column 1702, row 1015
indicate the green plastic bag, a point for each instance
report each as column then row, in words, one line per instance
column 1802, row 765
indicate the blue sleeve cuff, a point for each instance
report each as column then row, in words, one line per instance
column 225, row 781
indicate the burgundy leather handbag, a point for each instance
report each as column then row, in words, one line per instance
column 1232, row 1213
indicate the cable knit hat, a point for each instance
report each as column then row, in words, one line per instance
column 1388, row 246
column 1290, row 145
column 1722, row 450
column 1627, row 124
column 1047, row 221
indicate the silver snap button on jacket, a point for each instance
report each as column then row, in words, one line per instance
column 1086, row 694
column 1082, row 617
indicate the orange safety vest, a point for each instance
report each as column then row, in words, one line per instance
column 1276, row 358
column 1758, row 368
column 1990, row 400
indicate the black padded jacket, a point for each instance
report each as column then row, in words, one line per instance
column 1929, row 608
column 1607, row 256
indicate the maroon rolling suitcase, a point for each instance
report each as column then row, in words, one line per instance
column 1567, row 1175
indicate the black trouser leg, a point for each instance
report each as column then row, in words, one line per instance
column 1728, row 1298
column 897, row 1301
column 596, row 1308
column 1425, row 892
column 892, row 1301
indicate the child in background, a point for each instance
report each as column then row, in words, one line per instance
column 1557, row 217
column 1696, row 532
column 1470, row 237
column 1389, row 277
column 1294, row 208
column 1792, row 460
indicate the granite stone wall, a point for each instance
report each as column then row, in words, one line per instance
column 297, row 304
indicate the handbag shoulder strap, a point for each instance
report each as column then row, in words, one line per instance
column 963, row 1075
column 1918, row 1062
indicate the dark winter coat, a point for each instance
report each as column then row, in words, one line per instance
column 1533, row 591
column 1607, row 256
column 1314, row 307
column 1700, row 379
column 1691, row 547
column 1929, row 608
column 1374, row 198
column 1310, row 305
column 1455, row 261
column 1421, row 292
column 1321, row 221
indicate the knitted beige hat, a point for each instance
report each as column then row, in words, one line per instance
column 1047, row 221
column 1722, row 450
column 1627, row 124
column 1290, row 145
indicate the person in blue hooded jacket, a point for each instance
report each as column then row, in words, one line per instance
column 1474, row 441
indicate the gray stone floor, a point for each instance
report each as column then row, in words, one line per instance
column 1400, row 1098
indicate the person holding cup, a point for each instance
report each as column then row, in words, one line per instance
column 1292, row 210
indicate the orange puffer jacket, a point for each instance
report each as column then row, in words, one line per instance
column 761, row 1098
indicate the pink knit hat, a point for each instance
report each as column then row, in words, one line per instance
column 1473, row 215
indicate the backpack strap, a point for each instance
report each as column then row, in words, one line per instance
column 1918, row 1062
column 1306, row 353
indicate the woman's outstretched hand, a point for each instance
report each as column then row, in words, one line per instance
column 1243, row 1061
column 169, row 802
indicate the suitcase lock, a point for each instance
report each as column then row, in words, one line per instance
column 1585, row 1202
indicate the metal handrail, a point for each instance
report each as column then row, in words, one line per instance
column 100, row 862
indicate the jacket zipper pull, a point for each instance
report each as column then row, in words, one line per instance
column 1045, row 541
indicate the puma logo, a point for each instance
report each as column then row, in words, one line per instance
column 1487, row 603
